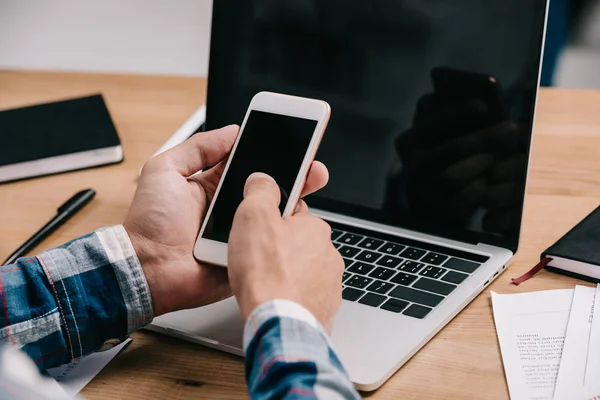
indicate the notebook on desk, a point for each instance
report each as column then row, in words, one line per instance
column 57, row 137
column 575, row 254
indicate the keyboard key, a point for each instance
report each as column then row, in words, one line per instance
column 380, row 287
column 382, row 273
column 350, row 238
column 412, row 253
column 335, row 234
column 372, row 299
column 417, row 311
column 368, row 256
column 411, row 266
column 434, row 286
column 337, row 245
column 461, row 265
column 416, row 296
column 389, row 261
column 371, row 244
column 391, row 248
column 433, row 272
column 434, row 258
column 454, row 277
column 361, row 268
column 359, row 281
column 347, row 262
column 394, row 305
column 404, row 279
column 346, row 276
column 352, row 294
column 347, row 251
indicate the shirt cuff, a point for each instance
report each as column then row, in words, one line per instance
column 130, row 276
column 281, row 309
column 100, row 289
column 289, row 354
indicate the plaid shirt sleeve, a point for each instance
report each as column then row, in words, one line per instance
column 289, row 355
column 72, row 300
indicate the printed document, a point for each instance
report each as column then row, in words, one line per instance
column 574, row 360
column 531, row 329
column 592, row 373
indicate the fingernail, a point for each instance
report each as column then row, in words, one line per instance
column 261, row 175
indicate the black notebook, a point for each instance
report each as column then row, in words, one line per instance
column 577, row 253
column 56, row 137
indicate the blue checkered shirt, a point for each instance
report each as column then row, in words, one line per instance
column 78, row 298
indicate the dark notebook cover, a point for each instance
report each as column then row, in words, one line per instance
column 582, row 243
column 55, row 129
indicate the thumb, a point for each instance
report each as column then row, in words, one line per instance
column 262, row 187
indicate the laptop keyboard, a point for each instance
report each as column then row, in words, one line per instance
column 400, row 275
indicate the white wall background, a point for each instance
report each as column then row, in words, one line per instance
column 171, row 37
column 579, row 65
column 168, row 37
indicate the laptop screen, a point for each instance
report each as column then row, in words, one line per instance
column 432, row 101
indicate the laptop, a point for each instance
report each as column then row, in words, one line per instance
column 427, row 147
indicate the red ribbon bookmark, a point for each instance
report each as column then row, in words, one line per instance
column 532, row 271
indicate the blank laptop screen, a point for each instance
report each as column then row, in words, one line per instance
column 432, row 101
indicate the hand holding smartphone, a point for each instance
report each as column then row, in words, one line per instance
column 279, row 136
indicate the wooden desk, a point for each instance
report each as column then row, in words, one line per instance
column 461, row 362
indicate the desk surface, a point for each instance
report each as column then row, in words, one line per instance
column 461, row 362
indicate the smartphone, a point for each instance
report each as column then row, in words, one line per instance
column 279, row 136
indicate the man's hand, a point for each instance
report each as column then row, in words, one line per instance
column 291, row 258
column 166, row 214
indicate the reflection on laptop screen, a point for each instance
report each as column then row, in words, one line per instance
column 432, row 101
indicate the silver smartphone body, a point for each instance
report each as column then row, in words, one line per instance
column 279, row 136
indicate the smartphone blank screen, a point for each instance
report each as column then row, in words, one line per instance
column 270, row 143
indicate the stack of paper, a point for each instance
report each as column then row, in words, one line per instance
column 550, row 343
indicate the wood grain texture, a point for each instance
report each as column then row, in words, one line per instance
column 461, row 362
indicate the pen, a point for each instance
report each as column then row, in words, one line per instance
column 65, row 212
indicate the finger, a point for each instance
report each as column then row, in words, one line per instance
column 301, row 207
column 317, row 178
column 209, row 180
column 200, row 151
column 263, row 189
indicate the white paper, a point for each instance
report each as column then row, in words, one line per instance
column 531, row 329
column 592, row 375
column 73, row 377
column 589, row 393
column 573, row 364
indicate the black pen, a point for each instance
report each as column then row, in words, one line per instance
column 65, row 212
